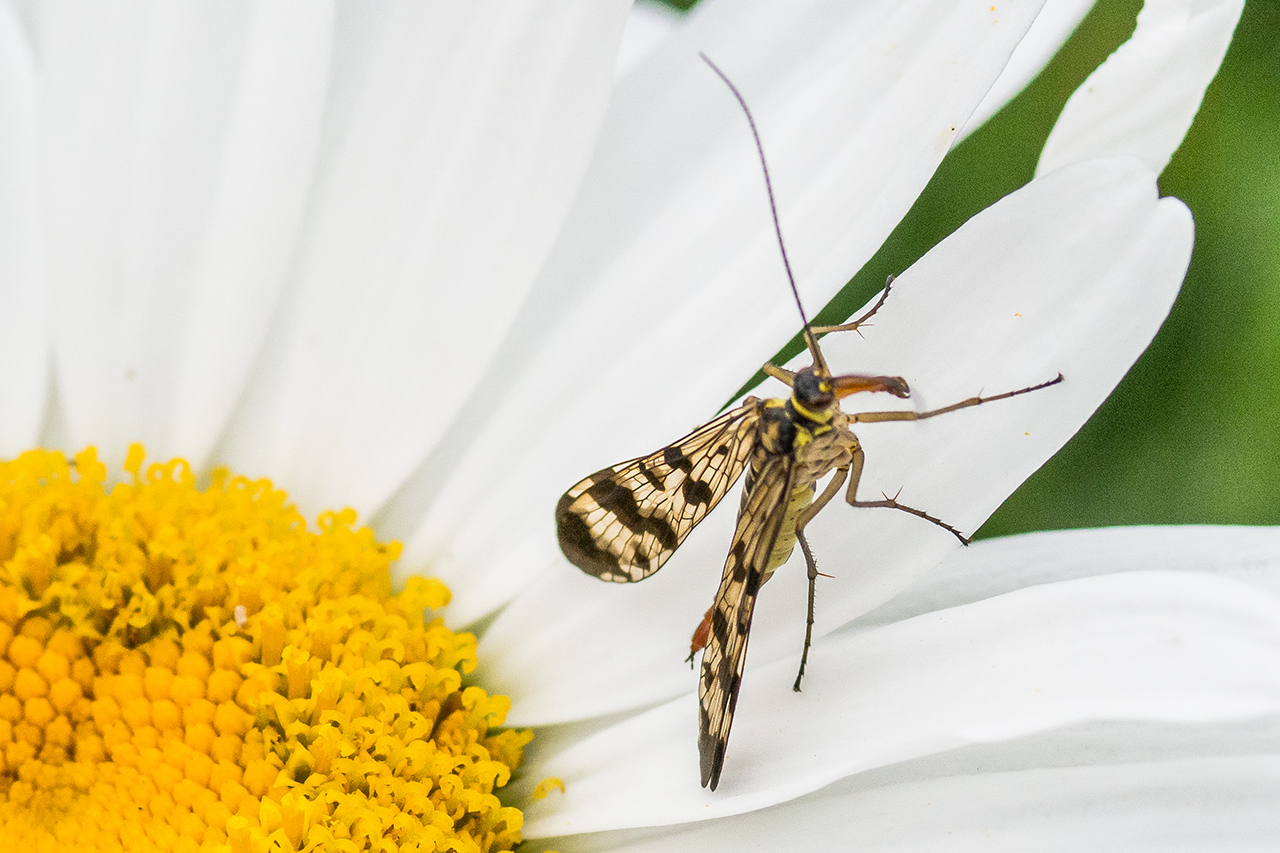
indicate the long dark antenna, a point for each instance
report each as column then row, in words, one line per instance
column 810, row 341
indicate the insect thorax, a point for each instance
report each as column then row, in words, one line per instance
column 789, row 425
column 786, row 427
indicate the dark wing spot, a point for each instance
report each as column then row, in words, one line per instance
column 711, row 755
column 739, row 554
column 719, row 626
column 620, row 501
column 675, row 457
column 697, row 492
column 651, row 478
column 579, row 545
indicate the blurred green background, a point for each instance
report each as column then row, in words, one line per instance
column 1192, row 434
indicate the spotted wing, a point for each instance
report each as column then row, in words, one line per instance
column 622, row 523
column 760, row 519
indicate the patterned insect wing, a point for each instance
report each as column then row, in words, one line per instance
column 760, row 518
column 622, row 523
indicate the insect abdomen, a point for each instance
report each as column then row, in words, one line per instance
column 800, row 499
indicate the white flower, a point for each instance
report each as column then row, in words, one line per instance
column 433, row 264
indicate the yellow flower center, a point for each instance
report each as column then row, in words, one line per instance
column 195, row 670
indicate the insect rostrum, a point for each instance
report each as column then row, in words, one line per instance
column 622, row 523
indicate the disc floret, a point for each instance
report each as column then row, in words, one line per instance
column 186, row 669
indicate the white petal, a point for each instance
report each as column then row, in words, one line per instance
column 1142, row 99
column 268, row 163
column 649, row 25
column 1201, row 804
column 170, row 203
column 1073, row 273
column 1155, row 646
column 666, row 289
column 457, row 139
column 24, row 341
column 995, row 566
column 1055, row 23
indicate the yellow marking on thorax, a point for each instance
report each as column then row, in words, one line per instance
column 819, row 417
column 805, row 434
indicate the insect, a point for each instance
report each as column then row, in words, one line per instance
column 622, row 523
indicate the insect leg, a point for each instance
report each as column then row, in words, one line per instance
column 859, row 457
column 876, row 417
column 852, row 325
column 787, row 377
column 801, row 520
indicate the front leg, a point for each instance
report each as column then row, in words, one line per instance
column 786, row 377
column 854, row 325
column 908, row 415
column 855, row 475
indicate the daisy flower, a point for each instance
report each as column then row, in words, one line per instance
column 433, row 265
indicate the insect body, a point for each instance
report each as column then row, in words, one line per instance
column 622, row 523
